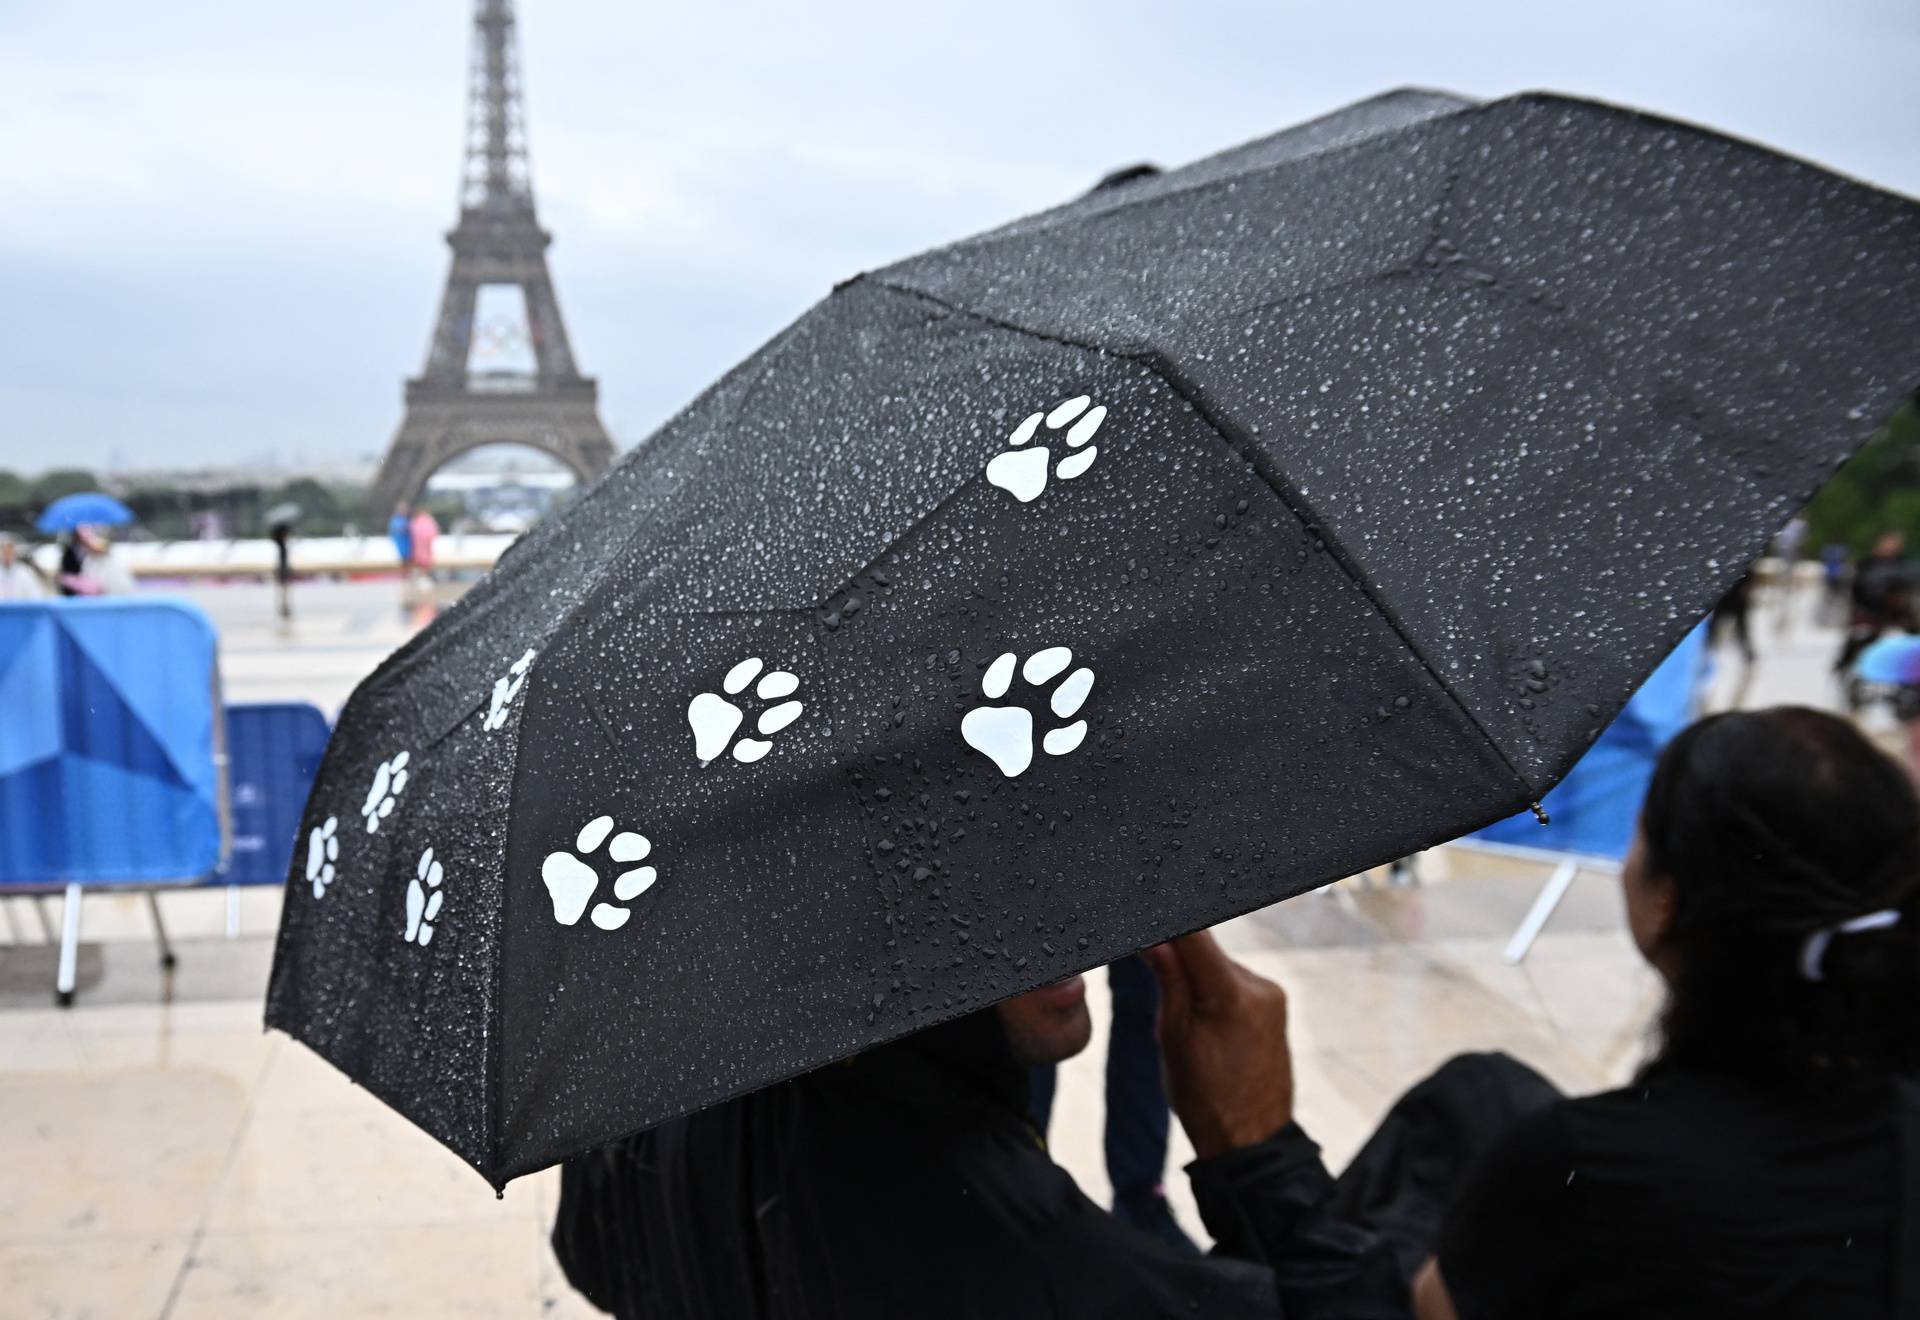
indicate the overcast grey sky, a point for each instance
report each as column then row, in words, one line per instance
column 220, row 224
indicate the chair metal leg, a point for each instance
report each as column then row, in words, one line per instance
column 167, row 959
column 69, row 948
column 1543, row 905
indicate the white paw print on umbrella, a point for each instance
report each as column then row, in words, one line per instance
column 714, row 719
column 389, row 782
column 423, row 899
column 505, row 689
column 323, row 850
column 571, row 880
column 1004, row 734
column 1021, row 470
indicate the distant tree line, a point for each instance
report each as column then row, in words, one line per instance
column 173, row 513
column 1877, row 491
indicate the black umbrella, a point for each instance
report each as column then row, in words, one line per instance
column 1138, row 564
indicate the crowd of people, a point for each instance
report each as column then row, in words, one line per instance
column 1765, row 1162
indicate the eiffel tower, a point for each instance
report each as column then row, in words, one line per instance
column 451, row 407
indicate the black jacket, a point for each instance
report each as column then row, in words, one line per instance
column 907, row 1182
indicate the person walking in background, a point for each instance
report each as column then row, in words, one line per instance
column 1730, row 615
column 1789, row 544
column 1836, row 575
column 19, row 579
column 1878, row 569
column 400, row 532
column 1137, row 1119
column 282, row 536
column 422, row 532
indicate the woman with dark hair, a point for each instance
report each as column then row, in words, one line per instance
column 1767, row 1162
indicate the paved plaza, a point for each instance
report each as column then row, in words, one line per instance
column 165, row 1157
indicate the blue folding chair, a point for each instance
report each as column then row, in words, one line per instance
column 112, row 757
column 1591, row 813
column 275, row 749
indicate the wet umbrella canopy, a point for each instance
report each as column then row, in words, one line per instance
column 1143, row 562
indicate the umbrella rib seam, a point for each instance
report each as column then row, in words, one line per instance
column 496, row 1061
column 1296, row 503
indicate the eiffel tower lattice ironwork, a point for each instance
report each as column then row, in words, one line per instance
column 451, row 406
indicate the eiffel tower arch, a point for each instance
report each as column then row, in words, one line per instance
column 498, row 244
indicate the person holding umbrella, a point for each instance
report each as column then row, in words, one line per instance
column 78, row 549
column 280, row 520
column 909, row 1181
column 76, row 519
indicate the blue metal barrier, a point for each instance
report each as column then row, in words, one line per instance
column 112, row 752
column 108, row 743
column 275, row 750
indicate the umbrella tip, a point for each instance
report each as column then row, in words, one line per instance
column 1539, row 812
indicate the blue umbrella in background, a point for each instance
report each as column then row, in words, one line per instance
column 1889, row 671
column 89, row 508
column 1893, row 660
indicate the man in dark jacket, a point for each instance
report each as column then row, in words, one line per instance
column 908, row 1182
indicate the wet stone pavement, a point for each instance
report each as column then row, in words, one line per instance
column 164, row 1157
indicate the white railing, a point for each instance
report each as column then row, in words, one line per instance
column 254, row 558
